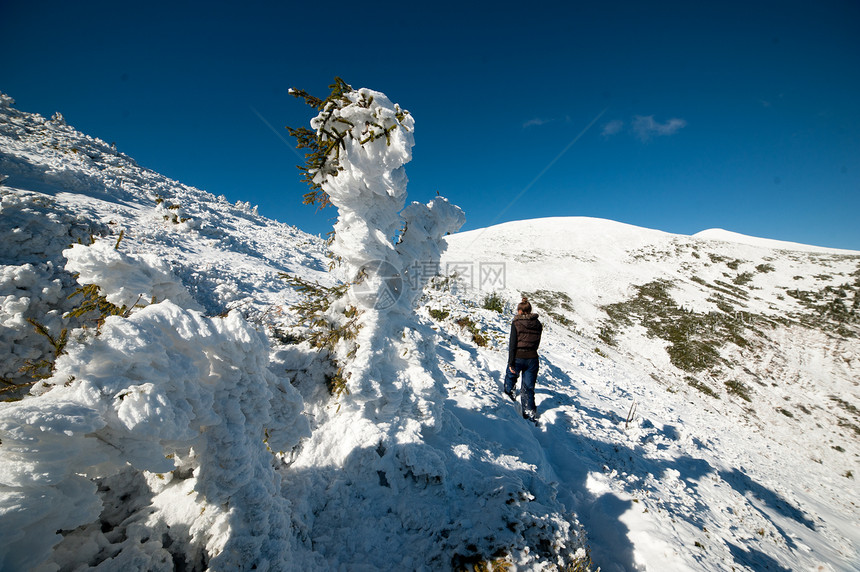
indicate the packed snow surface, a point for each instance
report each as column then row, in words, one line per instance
column 189, row 428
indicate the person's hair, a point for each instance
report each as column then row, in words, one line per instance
column 525, row 307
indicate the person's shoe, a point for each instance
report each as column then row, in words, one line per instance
column 530, row 416
column 512, row 395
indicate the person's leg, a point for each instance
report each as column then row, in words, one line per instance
column 510, row 381
column 529, row 368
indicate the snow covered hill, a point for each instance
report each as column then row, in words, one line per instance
column 702, row 389
column 698, row 395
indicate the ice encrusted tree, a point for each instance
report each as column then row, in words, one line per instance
column 381, row 482
column 359, row 145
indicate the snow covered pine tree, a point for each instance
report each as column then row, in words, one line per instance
column 381, row 443
column 358, row 148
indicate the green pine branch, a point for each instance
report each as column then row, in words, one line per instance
column 326, row 332
column 325, row 144
column 97, row 303
column 44, row 368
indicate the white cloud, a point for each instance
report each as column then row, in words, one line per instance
column 645, row 127
column 612, row 128
column 536, row 122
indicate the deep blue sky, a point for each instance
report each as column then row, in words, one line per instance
column 738, row 115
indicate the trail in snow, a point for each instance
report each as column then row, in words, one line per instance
column 674, row 486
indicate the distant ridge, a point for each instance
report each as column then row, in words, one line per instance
column 593, row 227
column 729, row 236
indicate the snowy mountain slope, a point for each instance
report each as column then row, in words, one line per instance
column 185, row 437
column 167, row 398
column 158, row 413
column 728, row 236
column 747, row 460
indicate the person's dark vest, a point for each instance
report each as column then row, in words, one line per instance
column 528, row 335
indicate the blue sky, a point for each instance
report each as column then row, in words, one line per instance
column 737, row 115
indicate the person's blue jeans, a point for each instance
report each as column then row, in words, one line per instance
column 529, row 368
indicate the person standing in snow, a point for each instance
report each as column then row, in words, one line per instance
column 526, row 330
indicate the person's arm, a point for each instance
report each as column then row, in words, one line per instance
column 512, row 348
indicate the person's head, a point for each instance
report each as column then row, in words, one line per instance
column 524, row 307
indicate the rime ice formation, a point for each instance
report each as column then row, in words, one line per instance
column 389, row 434
column 182, row 432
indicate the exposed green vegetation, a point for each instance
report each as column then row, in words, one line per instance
column 732, row 290
column 93, row 308
column 846, row 406
column 500, row 563
column 694, row 338
column 849, row 425
column 438, row 315
column 44, row 368
column 550, row 302
column 470, row 326
column 476, row 563
column 10, row 389
column 324, row 330
column 493, row 301
column 833, row 308
column 695, row 383
column 443, row 283
column 284, row 336
column 607, row 334
column 176, row 214
column 735, row 387
column 735, row 291
column 852, row 411
column 96, row 307
column 722, row 303
column 323, row 155
column 743, row 278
